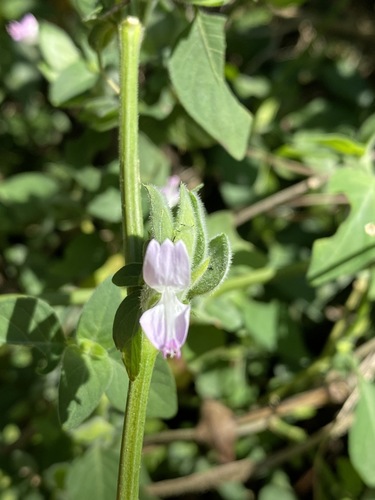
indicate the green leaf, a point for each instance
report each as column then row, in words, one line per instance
column 220, row 259
column 127, row 334
column 223, row 222
column 33, row 323
column 161, row 216
column 93, row 476
column 261, row 321
column 25, row 187
column 106, row 205
column 341, row 144
column 84, row 378
column 162, row 400
column 56, row 47
column 185, row 222
column 199, row 59
column 362, row 434
column 351, row 248
column 73, row 80
column 118, row 388
column 129, row 275
column 98, row 314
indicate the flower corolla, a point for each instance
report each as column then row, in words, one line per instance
column 25, row 30
column 171, row 190
column 166, row 269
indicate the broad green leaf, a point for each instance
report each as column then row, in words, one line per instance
column 223, row 222
column 33, row 323
column 85, row 375
column 162, row 400
column 72, row 81
column 351, row 248
column 199, row 60
column 56, row 47
column 220, row 259
column 117, row 390
column 222, row 311
column 26, row 187
column 161, row 215
column 362, row 434
column 93, row 476
column 98, row 314
column 106, row 205
column 129, row 275
column 185, row 222
column 127, row 334
column 261, row 321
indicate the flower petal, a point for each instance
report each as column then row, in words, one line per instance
column 166, row 265
column 166, row 324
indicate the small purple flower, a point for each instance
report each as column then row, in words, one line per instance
column 166, row 269
column 26, row 30
column 171, row 190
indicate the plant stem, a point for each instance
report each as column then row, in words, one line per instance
column 135, row 417
column 130, row 185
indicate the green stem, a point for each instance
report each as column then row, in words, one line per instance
column 130, row 185
column 135, row 417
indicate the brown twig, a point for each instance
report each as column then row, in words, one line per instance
column 286, row 195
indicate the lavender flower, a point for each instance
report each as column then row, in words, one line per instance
column 26, row 30
column 171, row 190
column 166, row 269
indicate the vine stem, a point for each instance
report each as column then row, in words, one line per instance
column 130, row 185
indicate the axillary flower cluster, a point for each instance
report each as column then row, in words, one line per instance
column 180, row 262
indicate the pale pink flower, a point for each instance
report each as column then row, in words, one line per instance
column 166, row 269
column 25, row 30
column 171, row 190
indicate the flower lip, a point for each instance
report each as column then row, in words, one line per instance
column 166, row 269
column 167, row 265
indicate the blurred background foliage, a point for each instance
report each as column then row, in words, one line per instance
column 266, row 384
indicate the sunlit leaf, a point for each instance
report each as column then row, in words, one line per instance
column 93, row 475
column 352, row 247
column 31, row 322
column 362, row 434
column 85, row 375
column 98, row 314
column 199, row 59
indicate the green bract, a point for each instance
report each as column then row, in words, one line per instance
column 210, row 259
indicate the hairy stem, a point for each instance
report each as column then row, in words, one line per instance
column 135, row 417
column 130, row 185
